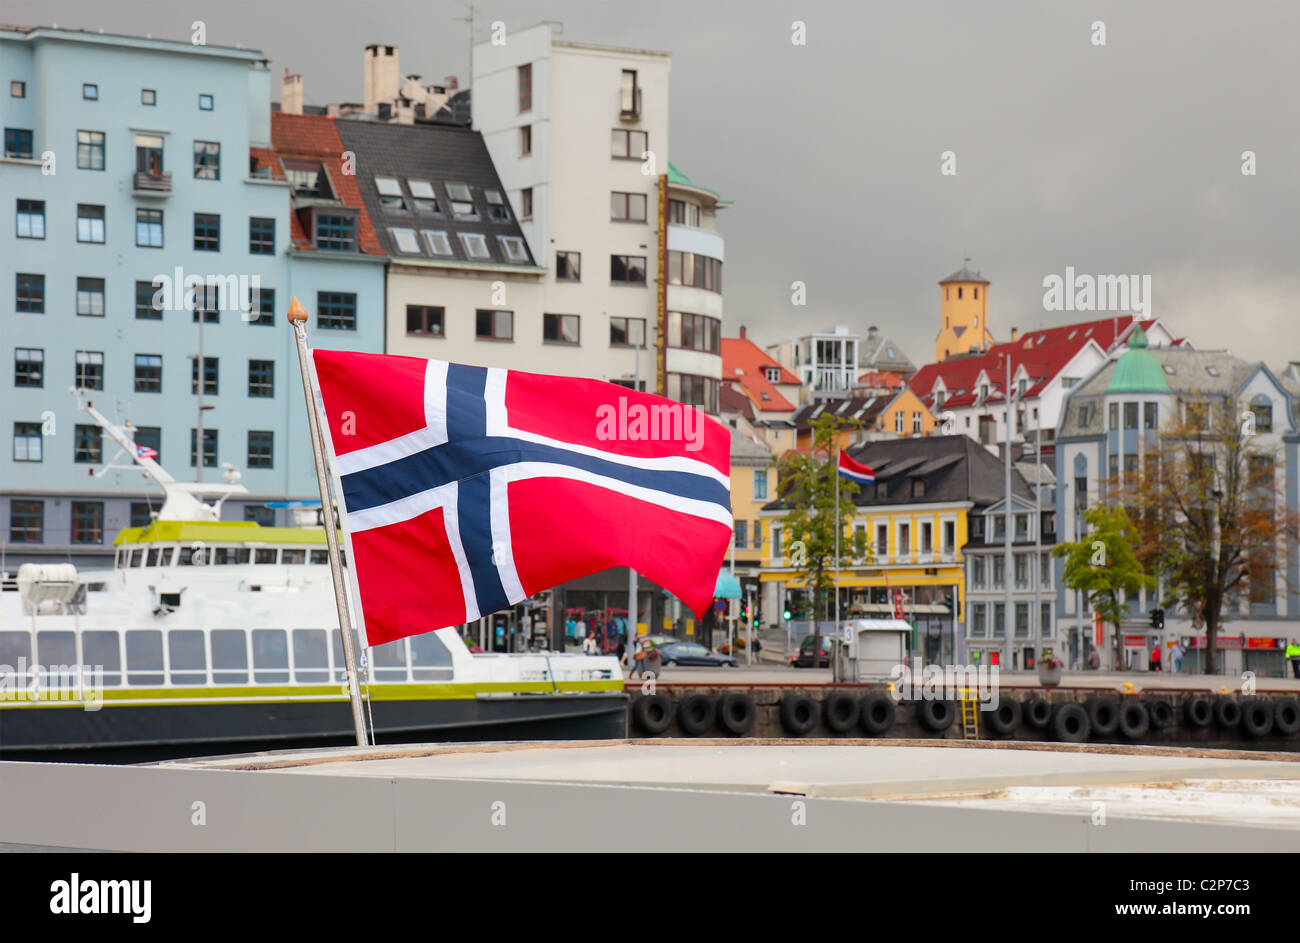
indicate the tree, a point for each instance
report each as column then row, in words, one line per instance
column 1211, row 512
column 1105, row 565
column 807, row 487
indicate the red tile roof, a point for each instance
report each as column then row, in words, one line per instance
column 316, row 137
column 881, row 379
column 743, row 354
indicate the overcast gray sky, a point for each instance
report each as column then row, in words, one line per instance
column 1117, row 159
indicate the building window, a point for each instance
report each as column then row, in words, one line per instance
column 149, row 228
column 207, row 160
column 390, row 193
column 90, row 150
column 26, row 522
column 949, row 536
column 90, row 297
column 694, row 390
column 18, row 143
column 1263, row 413
column 627, row 332
column 209, row 447
column 694, row 332
column 1022, row 620
column 927, row 537
column 627, row 207
column 513, row 248
column 1150, row 416
column 207, row 301
column 149, row 439
column 629, row 94
column 916, row 423
column 27, row 442
column 438, row 242
column 742, row 535
column 525, row 74
column 90, row 91
column 1022, row 570
column 90, row 223
column 422, row 196
column 261, row 378
column 336, row 310
column 882, row 540
column 497, row 210
column 682, row 213
column 88, row 445
column 525, row 140
column 31, row 219
column 494, row 325
column 999, row 614
column 29, row 293
column 424, row 319
column 405, row 240
column 141, row 514
column 694, row 271
column 977, row 572
column 147, row 306
column 1045, row 623
column 898, row 422
column 261, row 306
column 760, row 484
column 526, row 203
column 87, row 522
column 207, row 232
column 560, row 328
column 568, row 266
column 476, row 246
column 29, row 367
column 205, row 103
column 260, row 448
column 148, row 96
column 978, row 620
column 90, row 369
column 629, row 145
column 999, row 572
column 627, row 269
column 148, row 373
column 1130, row 415
column 918, row 487
column 904, row 539
column 336, row 233
column 17, row 89
column 149, row 154
column 210, row 373
column 1045, row 569
column 462, row 201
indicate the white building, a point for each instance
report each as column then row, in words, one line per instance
column 824, row 361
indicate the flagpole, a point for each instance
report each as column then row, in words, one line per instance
column 839, row 526
column 298, row 318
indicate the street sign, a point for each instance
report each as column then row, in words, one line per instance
column 848, row 635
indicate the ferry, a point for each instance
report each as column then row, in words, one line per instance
column 210, row 637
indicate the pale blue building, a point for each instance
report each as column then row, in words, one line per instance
column 128, row 167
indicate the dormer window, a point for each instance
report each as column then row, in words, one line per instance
column 308, row 179
column 773, row 374
column 462, row 203
column 422, row 195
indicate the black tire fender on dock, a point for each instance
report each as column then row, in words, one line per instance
column 840, row 711
column 737, row 713
column 1197, row 711
column 1037, row 712
column 1004, row 719
column 1286, row 716
column 1227, row 712
column 652, row 713
column 1257, row 718
column 695, row 714
column 1134, row 721
column 1103, row 716
column 798, row 714
column 876, row 714
column 1161, row 713
column 935, row 716
column 1070, row 723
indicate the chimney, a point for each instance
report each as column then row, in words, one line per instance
column 742, row 332
column 290, row 94
column 1014, row 335
column 381, row 76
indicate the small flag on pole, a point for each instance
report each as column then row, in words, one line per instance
column 855, row 471
column 143, row 451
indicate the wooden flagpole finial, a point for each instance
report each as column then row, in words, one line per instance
column 297, row 313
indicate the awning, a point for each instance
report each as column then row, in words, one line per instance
column 728, row 586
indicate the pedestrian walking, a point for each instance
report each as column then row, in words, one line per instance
column 638, row 660
column 1094, row 660
column 1176, row 657
column 589, row 646
column 1154, row 664
column 1293, row 656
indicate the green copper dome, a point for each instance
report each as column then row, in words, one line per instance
column 1138, row 370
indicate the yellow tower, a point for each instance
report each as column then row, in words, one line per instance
column 963, row 311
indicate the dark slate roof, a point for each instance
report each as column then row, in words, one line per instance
column 440, row 154
column 964, row 274
column 865, row 409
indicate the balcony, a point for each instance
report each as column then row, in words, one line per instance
column 146, row 183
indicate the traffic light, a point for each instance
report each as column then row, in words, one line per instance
column 786, row 614
column 755, row 620
column 1157, row 618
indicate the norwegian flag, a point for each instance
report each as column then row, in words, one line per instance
column 468, row 489
column 855, row 471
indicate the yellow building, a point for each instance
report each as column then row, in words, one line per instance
column 899, row 412
column 963, row 314
column 753, row 480
column 915, row 523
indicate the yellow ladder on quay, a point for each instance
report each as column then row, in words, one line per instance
column 970, row 728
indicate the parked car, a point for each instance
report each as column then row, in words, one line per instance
column 689, row 653
column 805, row 657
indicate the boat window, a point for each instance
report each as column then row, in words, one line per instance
column 430, row 660
column 13, row 646
column 160, row 556
column 139, row 555
column 229, row 656
column 310, row 656
column 188, row 661
column 103, row 648
column 264, row 555
column 389, row 661
column 144, row 656
column 320, row 556
column 270, row 656
column 226, row 556
column 55, row 648
column 293, row 556
column 197, row 554
column 336, row 644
